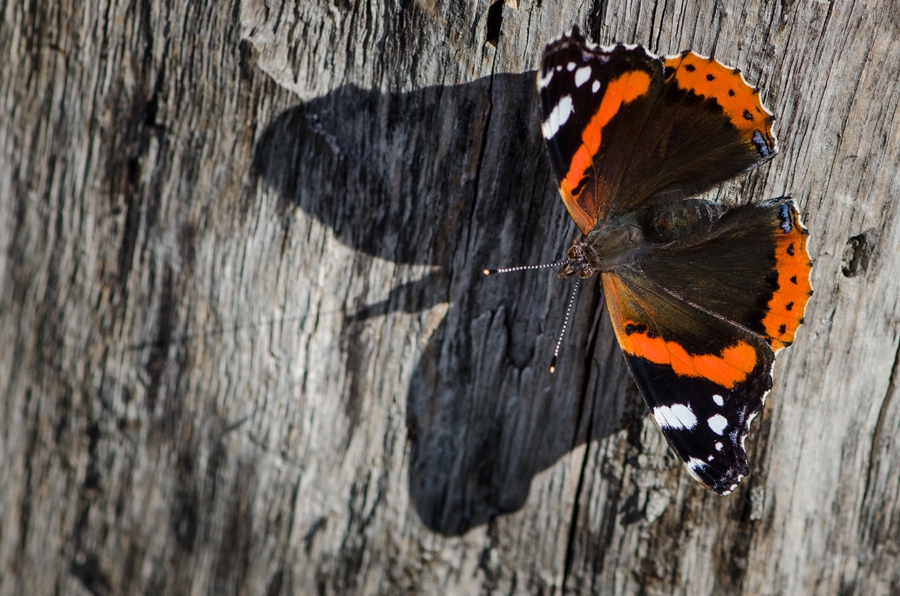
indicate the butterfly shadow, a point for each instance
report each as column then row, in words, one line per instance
column 453, row 179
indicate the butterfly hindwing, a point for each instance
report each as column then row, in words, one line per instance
column 751, row 266
column 707, row 126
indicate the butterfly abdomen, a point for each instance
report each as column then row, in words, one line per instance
column 671, row 222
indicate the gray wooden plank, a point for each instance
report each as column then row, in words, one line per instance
column 247, row 347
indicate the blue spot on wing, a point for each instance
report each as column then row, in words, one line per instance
column 760, row 143
column 786, row 219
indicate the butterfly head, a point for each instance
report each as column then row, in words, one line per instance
column 609, row 245
column 582, row 260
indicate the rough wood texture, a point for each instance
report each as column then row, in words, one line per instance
column 245, row 346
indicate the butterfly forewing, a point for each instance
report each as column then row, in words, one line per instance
column 585, row 91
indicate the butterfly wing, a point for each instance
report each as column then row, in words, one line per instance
column 594, row 101
column 699, row 319
column 625, row 128
column 752, row 267
column 707, row 126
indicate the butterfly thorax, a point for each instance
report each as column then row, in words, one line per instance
column 621, row 241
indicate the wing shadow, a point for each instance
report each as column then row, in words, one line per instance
column 456, row 177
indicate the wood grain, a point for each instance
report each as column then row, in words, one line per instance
column 245, row 345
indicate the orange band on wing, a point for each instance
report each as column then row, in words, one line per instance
column 624, row 89
column 726, row 369
column 788, row 302
column 740, row 102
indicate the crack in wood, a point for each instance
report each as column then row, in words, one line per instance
column 494, row 22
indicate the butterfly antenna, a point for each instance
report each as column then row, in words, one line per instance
column 562, row 331
column 521, row 268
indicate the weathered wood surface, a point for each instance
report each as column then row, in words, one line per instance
column 246, row 347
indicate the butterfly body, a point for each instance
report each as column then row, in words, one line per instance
column 701, row 296
column 623, row 241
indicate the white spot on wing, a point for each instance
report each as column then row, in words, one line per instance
column 595, row 87
column 676, row 416
column 558, row 116
column 582, row 75
column 544, row 80
column 570, row 66
column 696, row 465
column 719, row 446
column 718, row 399
column 718, row 424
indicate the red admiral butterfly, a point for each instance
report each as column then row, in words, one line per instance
column 701, row 296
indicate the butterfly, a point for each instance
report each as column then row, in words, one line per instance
column 701, row 296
